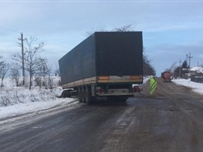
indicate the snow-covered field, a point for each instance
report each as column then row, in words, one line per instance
column 18, row 101
column 196, row 87
column 146, row 78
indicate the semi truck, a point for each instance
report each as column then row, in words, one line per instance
column 106, row 64
column 166, row 76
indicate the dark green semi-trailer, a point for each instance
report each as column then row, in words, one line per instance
column 106, row 64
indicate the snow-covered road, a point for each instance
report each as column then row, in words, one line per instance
column 196, row 87
column 22, row 101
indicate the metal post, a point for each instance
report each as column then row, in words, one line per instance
column 23, row 68
column 180, row 69
column 189, row 57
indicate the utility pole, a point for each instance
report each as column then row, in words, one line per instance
column 186, row 58
column 23, row 66
column 189, row 57
column 180, row 68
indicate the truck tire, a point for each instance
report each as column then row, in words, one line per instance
column 88, row 98
column 79, row 95
column 83, row 95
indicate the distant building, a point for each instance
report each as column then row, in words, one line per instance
column 196, row 70
column 196, row 74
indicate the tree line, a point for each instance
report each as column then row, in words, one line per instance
column 181, row 70
column 35, row 66
column 38, row 69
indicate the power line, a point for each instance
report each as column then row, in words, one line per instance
column 9, row 33
column 6, row 32
column 9, row 29
column 3, row 36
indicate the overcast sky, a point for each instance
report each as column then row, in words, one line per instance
column 171, row 29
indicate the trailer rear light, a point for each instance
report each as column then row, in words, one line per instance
column 135, row 77
column 99, row 89
column 103, row 77
column 136, row 89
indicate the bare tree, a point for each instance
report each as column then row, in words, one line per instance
column 92, row 31
column 1, row 59
column 57, row 71
column 4, row 68
column 44, row 68
column 50, row 83
column 125, row 28
column 177, row 72
column 148, row 69
column 31, row 59
column 172, row 68
column 38, row 81
column 15, row 75
column 43, row 71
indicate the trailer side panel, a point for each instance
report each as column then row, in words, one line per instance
column 79, row 63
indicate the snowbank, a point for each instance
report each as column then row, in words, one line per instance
column 146, row 78
column 31, row 107
column 197, row 69
column 18, row 101
column 196, row 87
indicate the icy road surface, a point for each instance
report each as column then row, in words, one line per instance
column 168, row 121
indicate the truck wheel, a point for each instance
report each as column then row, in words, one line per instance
column 87, row 96
column 79, row 95
column 83, row 95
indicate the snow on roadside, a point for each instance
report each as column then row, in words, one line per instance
column 31, row 107
column 19, row 101
column 196, row 87
column 146, row 78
